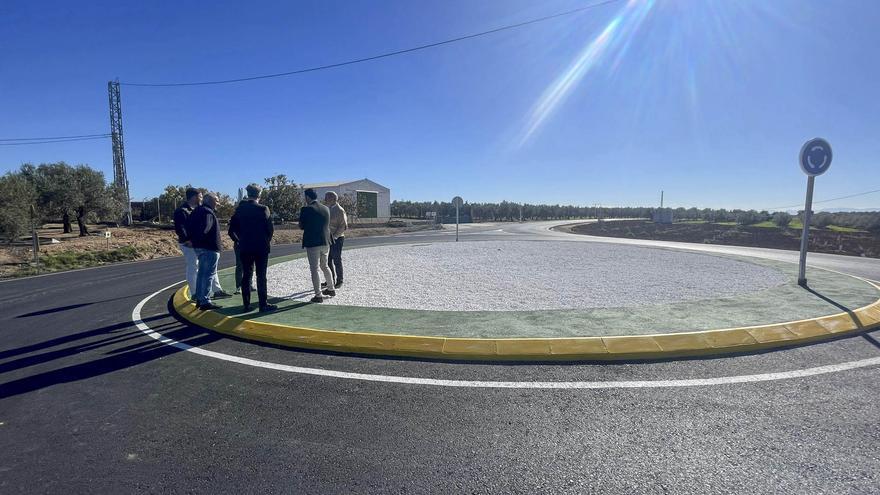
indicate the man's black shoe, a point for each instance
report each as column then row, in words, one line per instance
column 209, row 306
column 317, row 299
column 246, row 308
column 268, row 307
column 220, row 294
column 328, row 292
column 338, row 284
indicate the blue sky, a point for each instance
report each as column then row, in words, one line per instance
column 709, row 100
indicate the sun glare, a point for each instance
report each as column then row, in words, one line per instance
column 612, row 41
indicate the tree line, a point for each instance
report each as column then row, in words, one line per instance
column 59, row 192
column 281, row 194
column 64, row 193
column 507, row 211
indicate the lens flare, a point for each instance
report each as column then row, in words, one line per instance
column 613, row 40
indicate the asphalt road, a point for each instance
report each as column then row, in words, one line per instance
column 89, row 403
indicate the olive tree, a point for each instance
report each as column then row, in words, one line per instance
column 17, row 196
column 225, row 206
column 93, row 197
column 282, row 196
column 54, row 184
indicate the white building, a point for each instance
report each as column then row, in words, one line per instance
column 373, row 200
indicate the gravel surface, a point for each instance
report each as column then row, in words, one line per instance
column 525, row 275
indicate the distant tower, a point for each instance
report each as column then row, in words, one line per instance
column 120, row 176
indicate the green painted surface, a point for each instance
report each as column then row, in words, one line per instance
column 788, row 302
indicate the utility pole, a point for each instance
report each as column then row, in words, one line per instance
column 120, row 175
column 158, row 210
column 661, row 199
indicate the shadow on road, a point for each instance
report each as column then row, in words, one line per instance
column 75, row 306
column 115, row 358
column 109, row 329
column 872, row 340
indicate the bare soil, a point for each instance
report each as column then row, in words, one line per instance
column 149, row 241
column 864, row 244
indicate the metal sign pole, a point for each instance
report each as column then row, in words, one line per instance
column 457, row 202
column 805, row 236
column 815, row 158
column 456, row 223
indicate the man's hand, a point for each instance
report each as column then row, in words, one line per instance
column 188, row 244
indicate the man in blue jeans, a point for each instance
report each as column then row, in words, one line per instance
column 204, row 233
column 181, row 217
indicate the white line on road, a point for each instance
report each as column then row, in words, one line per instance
column 694, row 382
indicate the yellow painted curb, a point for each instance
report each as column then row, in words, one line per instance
column 625, row 347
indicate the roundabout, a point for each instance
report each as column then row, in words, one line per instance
column 543, row 300
column 112, row 370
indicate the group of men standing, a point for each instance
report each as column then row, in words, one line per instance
column 251, row 230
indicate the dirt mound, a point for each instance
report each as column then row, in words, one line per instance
column 821, row 240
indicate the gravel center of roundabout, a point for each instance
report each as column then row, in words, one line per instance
column 536, row 289
column 526, row 275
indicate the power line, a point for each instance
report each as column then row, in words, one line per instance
column 56, row 137
column 57, row 140
column 382, row 55
column 827, row 200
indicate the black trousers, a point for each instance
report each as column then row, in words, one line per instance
column 248, row 262
column 238, row 271
column 335, row 259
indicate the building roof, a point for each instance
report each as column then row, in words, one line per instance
column 326, row 184
column 338, row 183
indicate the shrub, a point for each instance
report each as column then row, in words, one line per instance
column 781, row 219
column 750, row 217
column 821, row 220
column 67, row 260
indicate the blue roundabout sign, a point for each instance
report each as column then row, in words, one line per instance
column 815, row 157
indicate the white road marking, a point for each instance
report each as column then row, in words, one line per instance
column 693, row 382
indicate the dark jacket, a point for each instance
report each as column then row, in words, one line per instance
column 181, row 214
column 314, row 220
column 204, row 229
column 251, row 228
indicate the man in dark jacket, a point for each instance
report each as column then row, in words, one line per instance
column 203, row 229
column 314, row 220
column 181, row 217
column 251, row 229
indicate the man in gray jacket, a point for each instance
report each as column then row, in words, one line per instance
column 338, row 225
